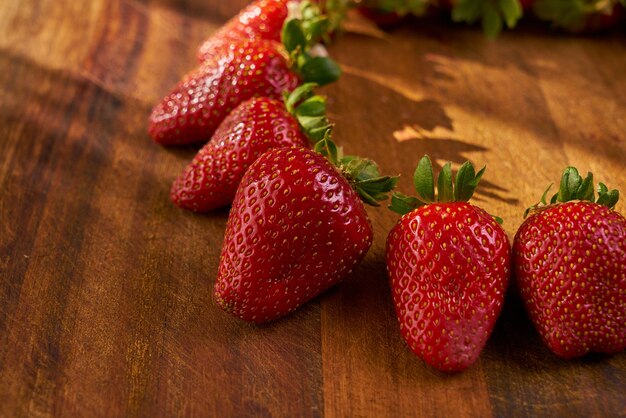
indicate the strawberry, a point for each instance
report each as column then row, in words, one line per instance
column 570, row 264
column 255, row 126
column 198, row 104
column 296, row 228
column 581, row 15
column 448, row 263
column 261, row 19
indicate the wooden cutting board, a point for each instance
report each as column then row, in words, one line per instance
column 105, row 286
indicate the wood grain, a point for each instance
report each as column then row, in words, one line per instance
column 105, row 306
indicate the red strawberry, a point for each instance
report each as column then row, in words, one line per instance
column 259, row 68
column 262, row 19
column 448, row 264
column 296, row 228
column 196, row 107
column 570, row 263
column 255, row 126
column 581, row 16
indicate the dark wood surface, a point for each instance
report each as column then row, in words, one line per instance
column 105, row 287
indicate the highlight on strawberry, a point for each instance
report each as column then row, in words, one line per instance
column 297, row 227
column 255, row 126
column 449, row 264
column 570, row 267
column 246, row 69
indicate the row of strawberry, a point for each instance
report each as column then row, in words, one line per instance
column 572, row 15
column 297, row 225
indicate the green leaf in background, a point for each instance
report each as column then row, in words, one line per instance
column 467, row 11
column 492, row 21
column 511, row 11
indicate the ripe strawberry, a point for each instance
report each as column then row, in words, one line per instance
column 570, row 263
column 448, row 264
column 296, row 228
column 258, row 68
column 255, row 126
column 261, row 19
column 581, row 16
column 196, row 106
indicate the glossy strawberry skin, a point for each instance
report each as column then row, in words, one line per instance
column 256, row 125
column 448, row 265
column 295, row 229
column 570, row 265
column 199, row 103
column 262, row 19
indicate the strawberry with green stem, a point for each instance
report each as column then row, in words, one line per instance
column 297, row 227
column 448, row 263
column 570, row 266
column 257, row 68
column 211, row 179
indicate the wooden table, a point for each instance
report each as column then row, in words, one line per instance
column 105, row 288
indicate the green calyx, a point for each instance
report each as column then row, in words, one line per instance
column 493, row 14
column 300, row 35
column 572, row 14
column 361, row 173
column 574, row 187
column 459, row 189
column 309, row 110
column 336, row 11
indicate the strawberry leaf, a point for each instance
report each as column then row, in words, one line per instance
column 403, row 204
column 293, row 37
column 511, row 11
column 363, row 174
column 320, row 70
column 569, row 14
column 573, row 187
column 299, row 94
column 309, row 110
column 445, row 190
column 492, row 21
column 585, row 191
column 606, row 197
column 570, row 182
column 466, row 182
column 423, row 179
column 466, row 11
column 492, row 13
column 327, row 148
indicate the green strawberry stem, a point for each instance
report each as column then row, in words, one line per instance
column 336, row 11
column 309, row 110
column 449, row 189
column 361, row 173
column 493, row 14
column 299, row 36
column 574, row 187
